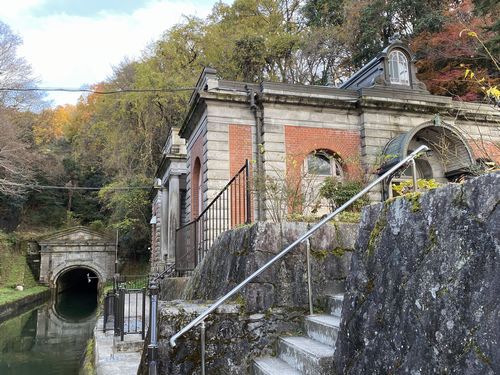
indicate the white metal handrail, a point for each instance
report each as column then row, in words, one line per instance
column 200, row 318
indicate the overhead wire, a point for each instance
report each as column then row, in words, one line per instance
column 91, row 91
column 69, row 187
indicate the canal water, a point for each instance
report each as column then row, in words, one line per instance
column 49, row 339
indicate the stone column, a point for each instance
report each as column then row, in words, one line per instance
column 173, row 216
column 164, row 201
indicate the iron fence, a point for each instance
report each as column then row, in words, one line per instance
column 130, row 312
column 231, row 207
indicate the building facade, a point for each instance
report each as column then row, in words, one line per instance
column 377, row 117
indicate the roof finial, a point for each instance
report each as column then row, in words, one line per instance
column 395, row 37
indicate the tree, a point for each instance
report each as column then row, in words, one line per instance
column 15, row 73
column 376, row 21
column 16, row 158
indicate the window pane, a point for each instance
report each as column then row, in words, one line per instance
column 319, row 164
column 398, row 68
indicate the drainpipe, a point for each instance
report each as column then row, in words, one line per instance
column 259, row 168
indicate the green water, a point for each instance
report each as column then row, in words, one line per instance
column 49, row 339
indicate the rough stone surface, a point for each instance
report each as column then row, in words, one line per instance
column 423, row 290
column 171, row 288
column 240, row 252
column 273, row 306
column 233, row 337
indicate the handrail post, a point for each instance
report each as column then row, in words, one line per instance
column 121, row 293
column 153, row 326
column 414, row 174
column 247, row 193
column 143, row 320
column 202, row 340
column 309, row 284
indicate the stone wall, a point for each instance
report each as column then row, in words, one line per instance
column 273, row 305
column 423, row 290
column 240, row 252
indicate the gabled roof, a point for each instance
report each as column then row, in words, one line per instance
column 77, row 234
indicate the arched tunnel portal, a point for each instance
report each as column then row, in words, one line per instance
column 78, row 279
column 77, row 292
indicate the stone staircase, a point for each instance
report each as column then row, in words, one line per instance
column 311, row 354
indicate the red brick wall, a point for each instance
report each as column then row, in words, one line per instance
column 485, row 149
column 196, row 153
column 240, row 149
column 301, row 141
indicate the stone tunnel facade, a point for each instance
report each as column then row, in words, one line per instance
column 76, row 248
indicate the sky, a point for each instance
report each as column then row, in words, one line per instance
column 73, row 43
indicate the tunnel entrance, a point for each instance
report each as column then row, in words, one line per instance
column 77, row 292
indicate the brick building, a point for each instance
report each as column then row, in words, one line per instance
column 376, row 117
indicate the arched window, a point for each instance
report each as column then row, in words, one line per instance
column 197, row 192
column 323, row 163
column 398, row 68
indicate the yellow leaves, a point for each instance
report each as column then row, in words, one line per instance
column 54, row 124
column 493, row 92
column 469, row 32
column 469, row 73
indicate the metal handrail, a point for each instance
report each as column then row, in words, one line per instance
column 200, row 318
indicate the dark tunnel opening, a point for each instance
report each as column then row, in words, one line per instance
column 77, row 293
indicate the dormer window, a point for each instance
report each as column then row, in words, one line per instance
column 398, row 68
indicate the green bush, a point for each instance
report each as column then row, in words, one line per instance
column 338, row 192
column 406, row 187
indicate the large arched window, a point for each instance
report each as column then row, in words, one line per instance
column 196, row 187
column 398, row 68
column 323, row 163
column 319, row 165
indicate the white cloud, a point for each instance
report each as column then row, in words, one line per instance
column 16, row 8
column 69, row 51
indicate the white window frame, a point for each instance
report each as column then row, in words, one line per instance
column 399, row 69
column 335, row 166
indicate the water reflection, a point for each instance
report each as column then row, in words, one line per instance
column 49, row 339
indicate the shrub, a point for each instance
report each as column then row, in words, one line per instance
column 338, row 192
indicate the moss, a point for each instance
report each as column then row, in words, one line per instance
column 432, row 240
column 375, row 233
column 88, row 360
column 349, row 217
column 442, row 292
column 240, row 300
column 369, row 286
column 323, row 254
column 319, row 254
column 339, row 252
column 414, row 200
column 472, row 345
column 480, row 354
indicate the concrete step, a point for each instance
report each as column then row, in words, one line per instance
column 309, row 356
column 273, row 366
column 335, row 302
column 323, row 328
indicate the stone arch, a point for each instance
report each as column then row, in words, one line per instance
column 325, row 156
column 57, row 272
column 450, row 154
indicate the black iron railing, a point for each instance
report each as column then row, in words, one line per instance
column 131, row 312
column 231, row 207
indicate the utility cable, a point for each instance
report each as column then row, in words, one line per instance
column 71, row 187
column 100, row 92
